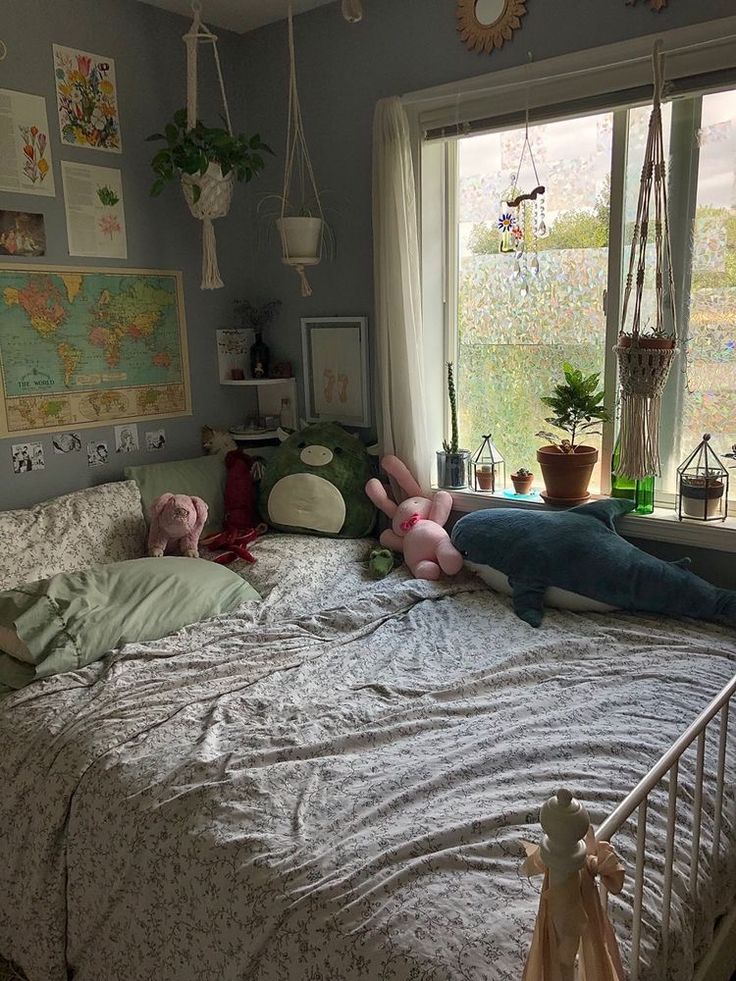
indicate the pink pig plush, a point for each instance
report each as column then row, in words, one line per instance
column 416, row 524
column 176, row 520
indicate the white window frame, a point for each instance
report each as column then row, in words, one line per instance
column 692, row 51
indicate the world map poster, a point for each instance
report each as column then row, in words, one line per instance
column 90, row 347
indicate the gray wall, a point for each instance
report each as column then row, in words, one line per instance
column 149, row 60
column 400, row 46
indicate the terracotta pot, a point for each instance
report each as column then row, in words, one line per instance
column 647, row 342
column 566, row 475
column 522, row 485
column 485, row 478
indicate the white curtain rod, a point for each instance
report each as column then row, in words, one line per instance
column 418, row 99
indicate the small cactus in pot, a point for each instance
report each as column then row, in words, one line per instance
column 522, row 480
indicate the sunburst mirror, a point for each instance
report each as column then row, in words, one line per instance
column 486, row 24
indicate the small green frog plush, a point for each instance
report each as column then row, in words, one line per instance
column 315, row 483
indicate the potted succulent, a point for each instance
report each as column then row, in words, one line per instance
column 190, row 155
column 453, row 464
column 522, row 480
column 702, row 493
column 567, row 465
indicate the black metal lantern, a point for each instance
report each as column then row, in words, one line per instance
column 702, row 485
column 489, row 467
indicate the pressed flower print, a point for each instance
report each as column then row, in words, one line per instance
column 86, row 96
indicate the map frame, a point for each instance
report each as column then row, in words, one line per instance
column 115, row 417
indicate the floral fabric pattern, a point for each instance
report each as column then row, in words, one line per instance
column 334, row 783
column 89, row 527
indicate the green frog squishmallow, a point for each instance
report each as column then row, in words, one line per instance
column 315, row 483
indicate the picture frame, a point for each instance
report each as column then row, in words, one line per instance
column 336, row 370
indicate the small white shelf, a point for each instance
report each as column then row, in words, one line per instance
column 258, row 382
column 254, row 437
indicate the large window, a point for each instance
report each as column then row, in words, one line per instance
column 514, row 326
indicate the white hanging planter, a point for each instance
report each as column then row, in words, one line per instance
column 301, row 240
column 215, row 197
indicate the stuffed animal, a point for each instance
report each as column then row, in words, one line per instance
column 241, row 526
column 416, row 524
column 177, row 521
column 577, row 560
column 315, row 481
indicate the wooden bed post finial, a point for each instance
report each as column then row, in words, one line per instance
column 565, row 823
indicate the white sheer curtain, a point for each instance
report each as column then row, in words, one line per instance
column 402, row 424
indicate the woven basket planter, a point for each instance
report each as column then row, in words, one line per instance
column 216, row 194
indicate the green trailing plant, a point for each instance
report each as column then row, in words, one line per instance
column 191, row 151
column 577, row 408
column 452, row 446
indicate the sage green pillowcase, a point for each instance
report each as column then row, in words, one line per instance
column 75, row 618
column 204, row 477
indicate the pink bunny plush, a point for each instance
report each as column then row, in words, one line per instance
column 176, row 520
column 416, row 524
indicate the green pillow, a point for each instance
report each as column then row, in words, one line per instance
column 202, row 477
column 75, row 618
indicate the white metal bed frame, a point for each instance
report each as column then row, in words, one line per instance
column 568, row 850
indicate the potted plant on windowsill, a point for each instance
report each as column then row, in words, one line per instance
column 578, row 410
column 522, row 481
column 701, row 494
column 453, row 464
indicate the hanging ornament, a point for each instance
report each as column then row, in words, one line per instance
column 644, row 360
column 208, row 195
column 523, row 220
column 301, row 225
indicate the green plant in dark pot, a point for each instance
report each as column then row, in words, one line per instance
column 578, row 410
column 453, row 464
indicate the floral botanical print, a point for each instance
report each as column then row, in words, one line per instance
column 87, row 100
column 334, row 783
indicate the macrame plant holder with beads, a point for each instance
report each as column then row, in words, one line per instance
column 644, row 360
column 301, row 229
column 215, row 190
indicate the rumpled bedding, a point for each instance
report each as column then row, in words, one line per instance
column 334, row 783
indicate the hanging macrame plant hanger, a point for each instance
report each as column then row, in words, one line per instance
column 644, row 360
column 215, row 191
column 302, row 233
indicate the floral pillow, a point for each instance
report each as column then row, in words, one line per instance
column 88, row 527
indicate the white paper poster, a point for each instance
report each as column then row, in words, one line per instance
column 87, row 99
column 25, row 155
column 95, row 218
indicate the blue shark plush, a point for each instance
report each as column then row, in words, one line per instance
column 576, row 560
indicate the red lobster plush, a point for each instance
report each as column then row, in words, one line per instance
column 240, row 512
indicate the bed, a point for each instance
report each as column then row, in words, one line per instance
column 335, row 783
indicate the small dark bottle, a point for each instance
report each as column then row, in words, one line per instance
column 259, row 357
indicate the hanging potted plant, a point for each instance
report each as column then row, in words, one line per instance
column 567, row 465
column 453, row 464
column 303, row 232
column 207, row 161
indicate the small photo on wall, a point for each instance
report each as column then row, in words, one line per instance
column 155, row 439
column 97, row 454
column 22, row 233
column 67, row 443
column 28, row 457
column 126, row 439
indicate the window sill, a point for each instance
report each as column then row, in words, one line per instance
column 661, row 526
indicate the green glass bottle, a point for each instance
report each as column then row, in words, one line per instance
column 639, row 491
